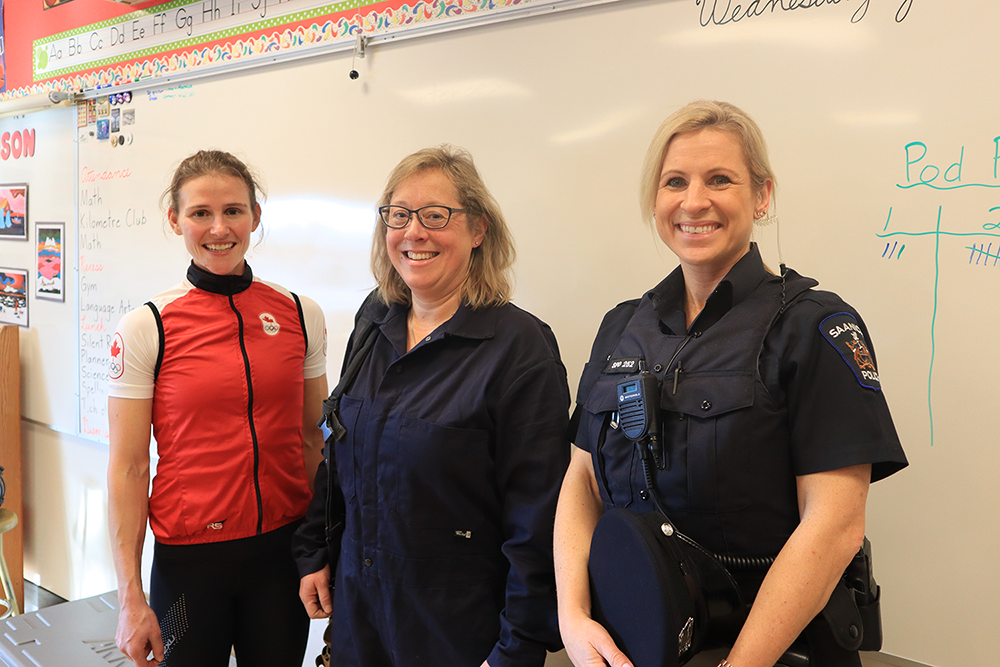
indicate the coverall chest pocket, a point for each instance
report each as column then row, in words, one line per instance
column 444, row 476
column 714, row 410
column 615, row 459
column 344, row 455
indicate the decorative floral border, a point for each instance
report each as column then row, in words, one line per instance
column 207, row 55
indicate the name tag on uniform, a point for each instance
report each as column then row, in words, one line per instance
column 846, row 336
column 626, row 365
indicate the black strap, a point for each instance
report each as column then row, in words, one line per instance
column 302, row 318
column 160, row 337
column 362, row 341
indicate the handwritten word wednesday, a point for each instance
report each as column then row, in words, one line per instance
column 721, row 12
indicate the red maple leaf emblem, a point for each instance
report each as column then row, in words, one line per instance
column 115, row 350
column 267, row 319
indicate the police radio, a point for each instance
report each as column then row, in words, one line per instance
column 638, row 412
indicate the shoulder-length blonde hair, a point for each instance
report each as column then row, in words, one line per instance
column 701, row 115
column 490, row 279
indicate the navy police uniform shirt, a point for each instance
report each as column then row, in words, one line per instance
column 752, row 395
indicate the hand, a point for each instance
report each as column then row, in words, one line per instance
column 588, row 644
column 314, row 591
column 138, row 634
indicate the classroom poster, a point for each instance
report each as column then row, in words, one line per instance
column 14, row 211
column 14, row 297
column 49, row 281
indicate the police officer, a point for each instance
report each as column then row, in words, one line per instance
column 773, row 420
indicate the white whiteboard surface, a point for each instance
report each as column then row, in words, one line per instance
column 49, row 345
column 558, row 112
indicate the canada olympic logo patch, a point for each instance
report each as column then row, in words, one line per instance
column 846, row 336
column 117, row 363
column 271, row 326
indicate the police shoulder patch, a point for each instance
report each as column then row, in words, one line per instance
column 847, row 337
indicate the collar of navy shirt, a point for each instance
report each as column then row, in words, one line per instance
column 668, row 297
column 477, row 324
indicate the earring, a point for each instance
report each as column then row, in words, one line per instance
column 764, row 218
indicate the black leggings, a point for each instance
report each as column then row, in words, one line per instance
column 242, row 594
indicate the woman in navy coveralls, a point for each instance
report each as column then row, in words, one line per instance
column 455, row 446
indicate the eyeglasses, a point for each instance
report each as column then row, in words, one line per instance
column 431, row 217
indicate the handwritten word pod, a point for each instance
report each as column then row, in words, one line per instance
column 921, row 171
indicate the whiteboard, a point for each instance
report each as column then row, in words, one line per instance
column 49, row 346
column 558, row 112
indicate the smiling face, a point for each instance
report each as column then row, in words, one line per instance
column 705, row 203
column 432, row 262
column 216, row 219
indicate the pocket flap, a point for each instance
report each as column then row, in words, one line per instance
column 709, row 394
column 604, row 396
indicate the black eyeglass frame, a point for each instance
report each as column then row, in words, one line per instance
column 383, row 211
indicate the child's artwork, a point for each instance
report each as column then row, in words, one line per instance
column 14, row 211
column 14, row 296
column 49, row 282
